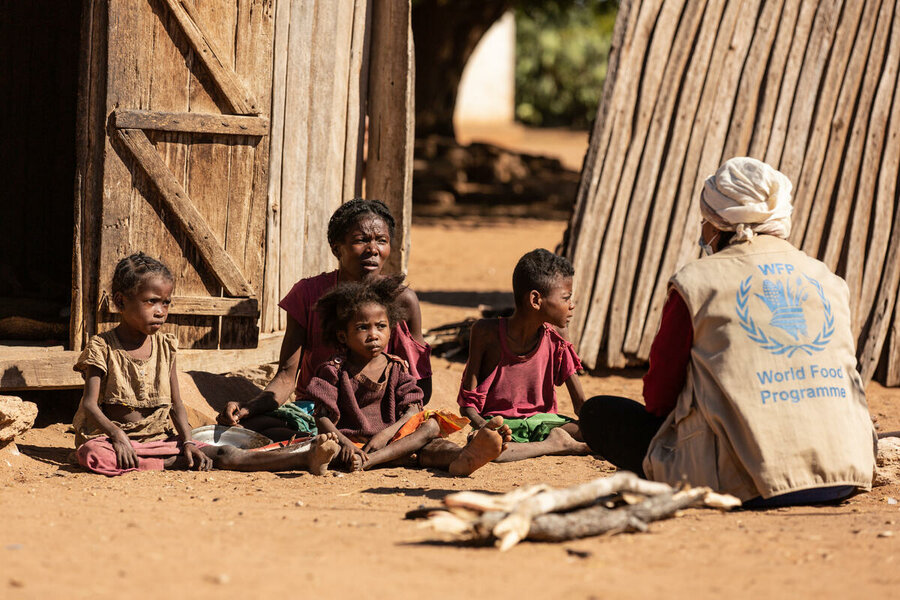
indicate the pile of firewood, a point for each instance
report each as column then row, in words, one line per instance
column 609, row 505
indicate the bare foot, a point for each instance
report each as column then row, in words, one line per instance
column 356, row 463
column 485, row 446
column 563, row 440
column 324, row 448
column 497, row 424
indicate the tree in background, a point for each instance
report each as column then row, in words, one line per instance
column 446, row 33
column 562, row 51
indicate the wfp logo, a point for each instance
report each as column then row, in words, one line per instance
column 788, row 304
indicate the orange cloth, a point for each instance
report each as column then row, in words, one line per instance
column 448, row 422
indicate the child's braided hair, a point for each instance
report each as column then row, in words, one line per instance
column 337, row 307
column 349, row 214
column 538, row 270
column 132, row 270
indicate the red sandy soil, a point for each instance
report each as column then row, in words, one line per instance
column 69, row 534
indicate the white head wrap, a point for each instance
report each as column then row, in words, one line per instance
column 748, row 196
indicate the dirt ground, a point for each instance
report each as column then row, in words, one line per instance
column 68, row 534
column 566, row 145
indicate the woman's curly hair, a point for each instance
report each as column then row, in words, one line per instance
column 338, row 306
column 349, row 214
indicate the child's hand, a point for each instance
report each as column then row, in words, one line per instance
column 349, row 450
column 377, row 442
column 126, row 457
column 196, row 459
column 232, row 414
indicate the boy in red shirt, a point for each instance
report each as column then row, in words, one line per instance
column 516, row 363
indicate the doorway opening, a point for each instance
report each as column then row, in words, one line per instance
column 39, row 55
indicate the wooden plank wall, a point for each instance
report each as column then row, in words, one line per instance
column 810, row 87
column 389, row 165
column 318, row 117
column 327, row 82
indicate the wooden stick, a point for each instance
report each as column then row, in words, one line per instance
column 597, row 201
column 777, row 62
column 686, row 212
column 515, row 526
column 821, row 189
column 879, row 324
column 725, row 86
column 591, row 261
column 801, row 36
column 809, row 84
column 599, row 520
column 191, row 122
column 853, row 153
column 483, row 516
column 389, row 164
column 599, row 137
column 892, row 369
column 272, row 290
column 177, row 200
column 326, row 129
column 670, row 210
column 740, row 130
column 865, row 251
column 844, row 70
column 357, row 92
column 635, row 193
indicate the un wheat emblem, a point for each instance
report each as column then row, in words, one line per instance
column 785, row 304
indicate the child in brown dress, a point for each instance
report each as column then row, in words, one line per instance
column 131, row 398
column 369, row 399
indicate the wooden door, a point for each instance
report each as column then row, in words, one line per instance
column 184, row 172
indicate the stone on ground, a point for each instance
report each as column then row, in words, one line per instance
column 887, row 471
column 16, row 417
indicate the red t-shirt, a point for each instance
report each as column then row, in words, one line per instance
column 670, row 356
column 522, row 386
column 299, row 303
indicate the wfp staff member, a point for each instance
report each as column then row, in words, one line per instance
column 752, row 387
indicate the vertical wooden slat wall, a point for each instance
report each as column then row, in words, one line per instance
column 315, row 136
column 810, row 87
column 390, row 109
column 337, row 62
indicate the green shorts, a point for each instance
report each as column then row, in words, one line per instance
column 296, row 416
column 535, row 428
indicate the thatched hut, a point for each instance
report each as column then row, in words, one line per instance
column 218, row 135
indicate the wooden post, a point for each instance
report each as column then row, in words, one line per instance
column 391, row 114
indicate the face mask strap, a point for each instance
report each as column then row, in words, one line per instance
column 707, row 247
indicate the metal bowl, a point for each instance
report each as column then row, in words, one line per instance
column 239, row 437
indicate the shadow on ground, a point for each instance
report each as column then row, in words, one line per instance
column 467, row 298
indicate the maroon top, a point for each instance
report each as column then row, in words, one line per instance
column 299, row 304
column 522, row 386
column 358, row 406
column 670, row 356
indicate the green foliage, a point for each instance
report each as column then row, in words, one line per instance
column 562, row 49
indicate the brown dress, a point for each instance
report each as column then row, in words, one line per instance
column 130, row 382
column 358, row 406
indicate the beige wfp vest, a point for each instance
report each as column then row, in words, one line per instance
column 773, row 402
